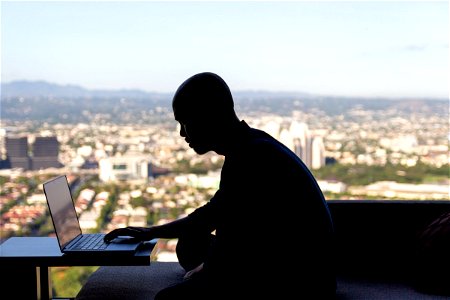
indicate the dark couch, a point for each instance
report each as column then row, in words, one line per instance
column 375, row 255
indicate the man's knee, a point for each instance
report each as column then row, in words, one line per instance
column 192, row 250
column 195, row 288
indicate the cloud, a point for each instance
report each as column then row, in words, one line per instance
column 423, row 47
column 416, row 47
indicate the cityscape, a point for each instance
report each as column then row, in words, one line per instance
column 356, row 89
column 125, row 173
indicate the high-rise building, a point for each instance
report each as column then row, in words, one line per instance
column 45, row 153
column 272, row 128
column 302, row 142
column 287, row 139
column 2, row 144
column 317, row 153
column 302, row 139
column 17, row 152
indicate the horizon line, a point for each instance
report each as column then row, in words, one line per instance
column 250, row 90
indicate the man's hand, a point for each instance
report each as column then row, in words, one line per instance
column 140, row 233
column 193, row 271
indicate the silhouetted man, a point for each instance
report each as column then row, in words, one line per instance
column 273, row 233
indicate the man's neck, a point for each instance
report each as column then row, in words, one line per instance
column 231, row 137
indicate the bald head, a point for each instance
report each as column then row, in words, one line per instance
column 204, row 107
column 204, row 95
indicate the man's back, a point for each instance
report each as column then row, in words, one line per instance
column 268, row 202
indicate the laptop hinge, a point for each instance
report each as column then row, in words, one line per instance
column 72, row 242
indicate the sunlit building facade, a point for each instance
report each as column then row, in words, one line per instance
column 124, row 168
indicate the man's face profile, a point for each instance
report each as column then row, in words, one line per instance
column 196, row 131
column 203, row 106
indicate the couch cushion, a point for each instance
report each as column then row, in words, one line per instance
column 134, row 282
column 351, row 288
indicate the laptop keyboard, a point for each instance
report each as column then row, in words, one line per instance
column 91, row 241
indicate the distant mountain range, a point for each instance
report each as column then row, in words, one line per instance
column 43, row 89
column 47, row 89
column 49, row 102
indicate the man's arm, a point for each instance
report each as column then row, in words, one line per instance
column 202, row 219
column 166, row 231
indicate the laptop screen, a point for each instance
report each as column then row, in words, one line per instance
column 62, row 210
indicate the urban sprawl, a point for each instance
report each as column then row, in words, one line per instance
column 142, row 172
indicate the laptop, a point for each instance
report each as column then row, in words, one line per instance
column 67, row 227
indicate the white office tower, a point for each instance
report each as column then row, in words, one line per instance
column 287, row 139
column 273, row 128
column 298, row 138
column 123, row 168
column 302, row 141
column 318, row 153
column 2, row 144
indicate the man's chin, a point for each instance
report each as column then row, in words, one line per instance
column 200, row 150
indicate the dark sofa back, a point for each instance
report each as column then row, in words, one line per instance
column 378, row 238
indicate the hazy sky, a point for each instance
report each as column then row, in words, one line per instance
column 348, row 48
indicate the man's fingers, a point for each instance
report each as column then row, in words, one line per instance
column 134, row 229
column 113, row 234
column 136, row 232
column 187, row 275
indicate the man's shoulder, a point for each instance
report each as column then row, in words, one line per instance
column 258, row 136
column 253, row 143
column 262, row 144
column 262, row 141
column 253, row 136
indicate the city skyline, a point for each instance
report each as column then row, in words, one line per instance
column 360, row 49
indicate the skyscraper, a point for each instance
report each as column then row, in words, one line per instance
column 17, row 152
column 2, row 144
column 287, row 139
column 317, row 153
column 45, row 153
column 307, row 146
column 302, row 141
